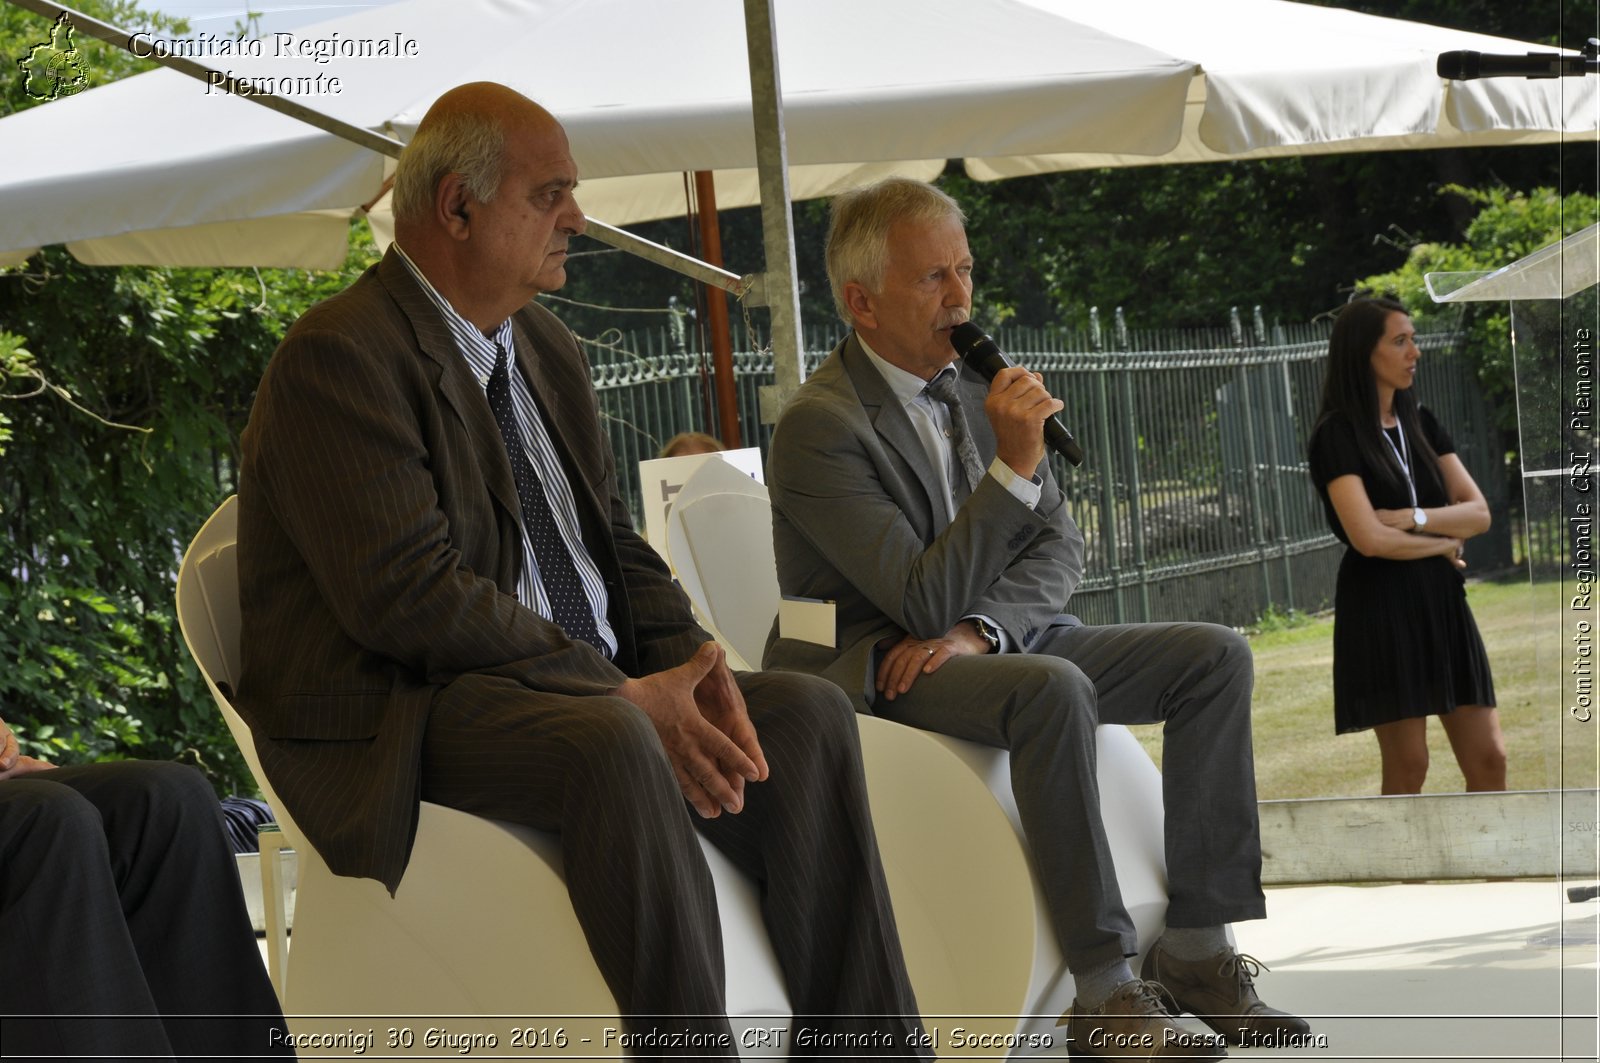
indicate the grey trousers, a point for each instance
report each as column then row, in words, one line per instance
column 594, row 770
column 1194, row 680
column 124, row 925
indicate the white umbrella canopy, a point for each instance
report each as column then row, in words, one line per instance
column 158, row 169
column 1277, row 78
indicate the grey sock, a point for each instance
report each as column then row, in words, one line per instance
column 1193, row 943
column 1095, row 986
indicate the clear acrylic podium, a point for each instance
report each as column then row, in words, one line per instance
column 1554, row 321
column 1554, row 325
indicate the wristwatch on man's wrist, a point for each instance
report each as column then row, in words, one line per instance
column 1419, row 519
column 988, row 632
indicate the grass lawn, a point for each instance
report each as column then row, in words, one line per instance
column 1298, row 755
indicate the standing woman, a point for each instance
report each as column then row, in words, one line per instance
column 1405, row 646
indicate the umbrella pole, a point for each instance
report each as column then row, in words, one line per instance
column 705, row 194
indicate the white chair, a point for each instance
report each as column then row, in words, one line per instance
column 973, row 924
column 720, row 556
column 481, row 924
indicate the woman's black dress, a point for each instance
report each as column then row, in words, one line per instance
column 1404, row 641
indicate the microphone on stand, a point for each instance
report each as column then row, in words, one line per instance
column 981, row 352
column 1465, row 66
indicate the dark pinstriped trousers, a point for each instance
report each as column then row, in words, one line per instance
column 593, row 769
column 122, row 919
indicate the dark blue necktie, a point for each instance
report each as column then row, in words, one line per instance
column 568, row 603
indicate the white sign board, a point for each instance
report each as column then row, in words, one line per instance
column 660, row 480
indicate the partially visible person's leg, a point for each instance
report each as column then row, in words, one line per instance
column 67, row 875
column 185, row 911
column 1195, row 680
column 1042, row 709
column 806, row 835
column 1403, row 747
column 1480, row 749
column 68, row 953
column 593, row 769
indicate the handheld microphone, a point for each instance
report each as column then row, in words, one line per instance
column 1465, row 66
column 981, row 352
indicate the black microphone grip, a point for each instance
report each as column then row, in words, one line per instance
column 1467, row 66
column 981, row 352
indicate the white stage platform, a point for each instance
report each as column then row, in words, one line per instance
column 1461, row 971
column 1480, row 971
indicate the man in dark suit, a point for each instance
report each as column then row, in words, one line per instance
column 124, row 926
column 916, row 497
column 442, row 596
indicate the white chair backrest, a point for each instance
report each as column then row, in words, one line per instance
column 721, row 547
column 208, row 616
column 208, row 595
column 662, row 479
column 694, row 565
column 218, row 575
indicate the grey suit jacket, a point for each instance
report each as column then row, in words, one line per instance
column 853, row 521
column 379, row 549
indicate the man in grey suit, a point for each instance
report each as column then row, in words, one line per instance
column 915, row 496
column 442, row 597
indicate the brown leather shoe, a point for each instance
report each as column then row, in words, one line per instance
column 1133, row 1024
column 1220, row 991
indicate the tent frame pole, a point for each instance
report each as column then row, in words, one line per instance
column 782, row 290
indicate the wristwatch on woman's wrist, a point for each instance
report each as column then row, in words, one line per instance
column 1419, row 519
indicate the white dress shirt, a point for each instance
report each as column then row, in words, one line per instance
column 480, row 353
column 931, row 420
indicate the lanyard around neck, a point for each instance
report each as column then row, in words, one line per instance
column 1402, row 454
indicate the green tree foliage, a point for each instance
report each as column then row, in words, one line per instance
column 1174, row 245
column 1177, row 246
column 18, row 380
column 100, row 63
column 1565, row 22
column 126, row 391
column 142, row 381
column 1508, row 226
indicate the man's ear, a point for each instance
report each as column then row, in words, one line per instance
column 862, row 305
column 452, row 206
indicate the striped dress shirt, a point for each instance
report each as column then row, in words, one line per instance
column 481, row 352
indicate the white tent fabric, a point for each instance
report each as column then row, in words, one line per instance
column 647, row 197
column 643, row 88
column 157, row 169
column 1278, row 78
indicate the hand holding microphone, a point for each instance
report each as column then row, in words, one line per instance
column 983, row 354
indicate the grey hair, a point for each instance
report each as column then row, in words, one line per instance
column 858, row 230
column 471, row 145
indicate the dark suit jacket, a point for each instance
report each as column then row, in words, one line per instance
column 853, row 521
column 379, row 549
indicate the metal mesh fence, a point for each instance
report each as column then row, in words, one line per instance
column 1195, row 500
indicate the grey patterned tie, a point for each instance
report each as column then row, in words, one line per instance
column 943, row 388
column 569, row 605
